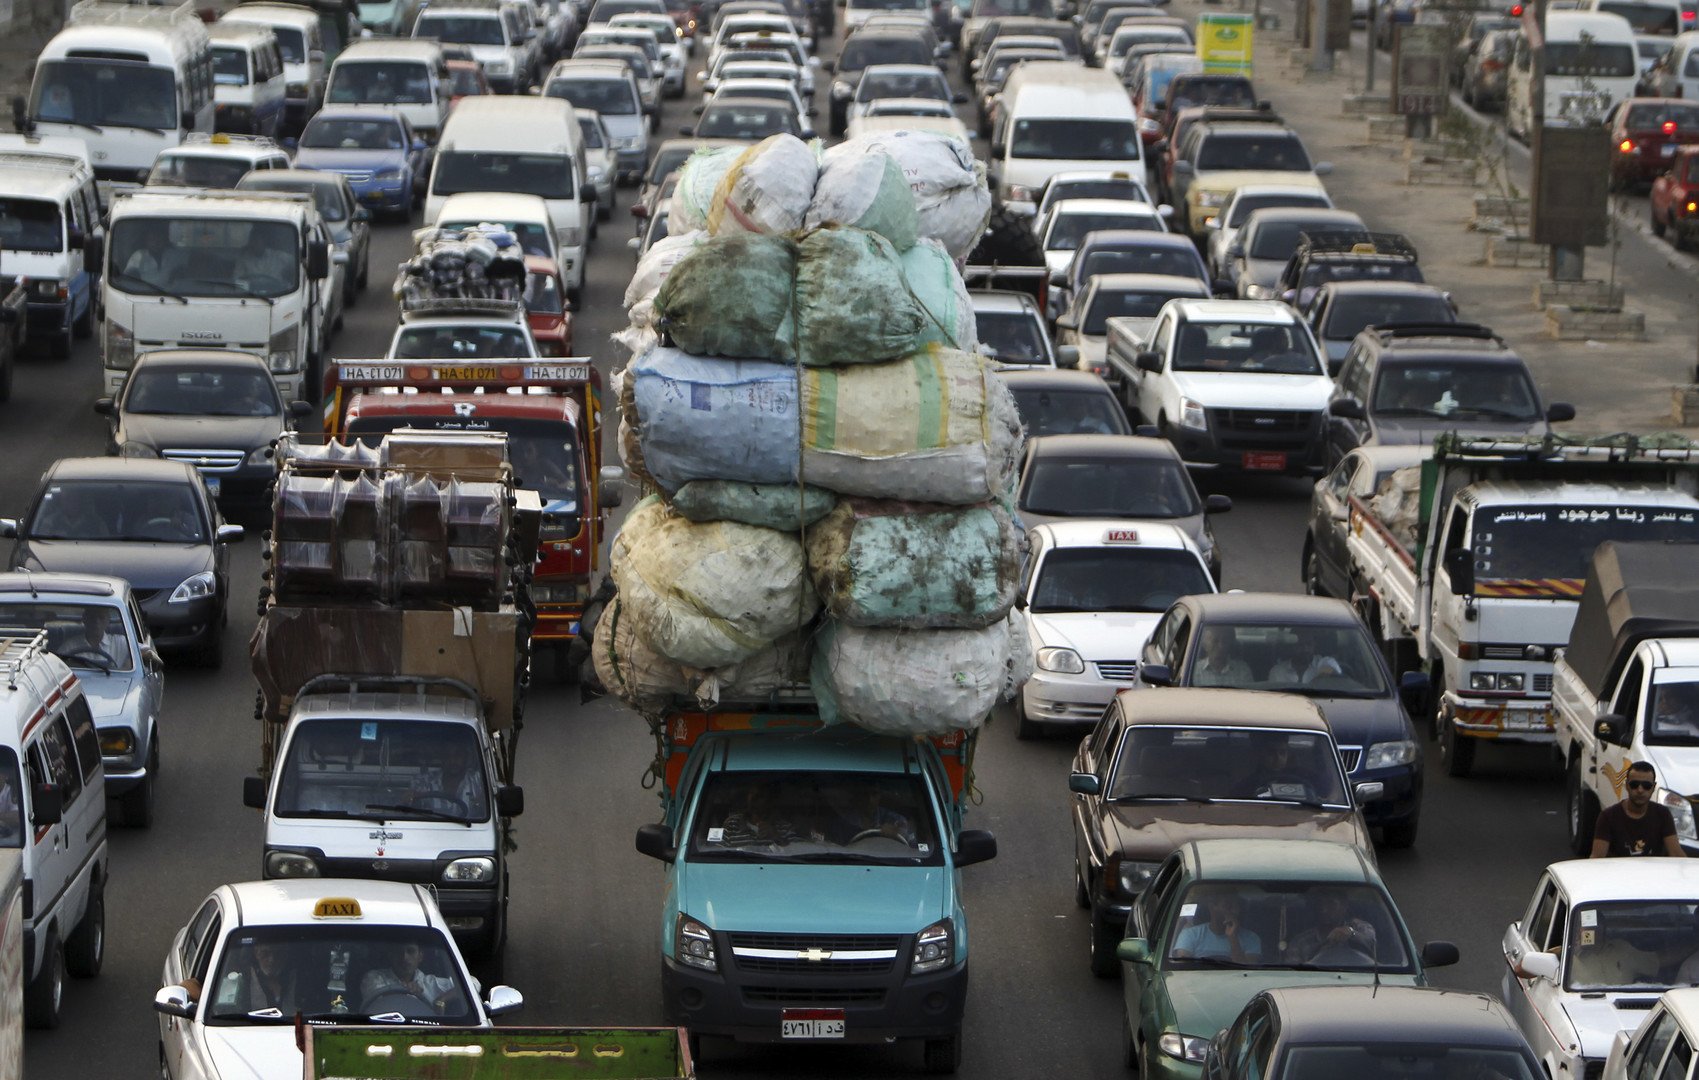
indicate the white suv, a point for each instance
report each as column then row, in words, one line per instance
column 492, row 31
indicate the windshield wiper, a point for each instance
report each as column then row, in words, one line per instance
column 159, row 290
column 1161, row 797
column 422, row 811
column 856, row 857
column 1411, row 412
column 76, row 123
column 1310, row 804
column 243, row 290
column 1497, row 414
column 1216, row 961
column 343, row 814
column 270, row 1015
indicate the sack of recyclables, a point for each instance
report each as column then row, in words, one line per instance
column 952, row 203
column 936, row 426
column 635, row 673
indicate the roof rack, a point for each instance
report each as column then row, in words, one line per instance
column 94, row 12
column 1456, row 330
column 1355, row 242
column 19, row 646
column 1621, row 447
column 454, row 306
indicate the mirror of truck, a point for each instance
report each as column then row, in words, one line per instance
column 105, row 407
column 1217, row 504
column 253, row 792
column 656, row 841
column 1066, row 321
column 174, row 1001
column 502, row 1000
column 318, row 261
column 94, row 251
column 1345, row 409
column 1068, row 356
column 975, row 846
column 1460, row 564
column 612, row 479
column 589, row 193
column 20, row 115
column 1413, row 689
column 47, row 805
column 1334, row 366
column 1559, row 411
column 1084, row 783
column 1444, row 954
column 1613, row 728
column 1156, row 674
column 1147, row 360
column 8, row 527
column 510, row 800
column 1535, row 965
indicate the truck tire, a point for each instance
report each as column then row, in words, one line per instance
column 1105, row 936
column 46, row 993
column 1130, row 1052
column 942, row 1057
column 1456, row 751
column 1583, row 812
column 86, row 949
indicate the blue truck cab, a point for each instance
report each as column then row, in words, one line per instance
column 813, row 881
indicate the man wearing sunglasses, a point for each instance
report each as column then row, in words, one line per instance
column 1637, row 825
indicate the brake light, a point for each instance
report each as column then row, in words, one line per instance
column 1689, row 16
column 1669, row 127
column 1516, row 11
column 1626, row 146
column 1693, row 207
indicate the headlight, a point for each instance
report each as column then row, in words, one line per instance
column 1134, row 876
column 289, row 864
column 842, row 91
column 120, row 351
column 464, row 870
column 556, row 594
column 281, row 354
column 1509, row 681
column 1210, row 198
column 1258, row 292
column 1192, row 415
column 1065, row 661
column 199, row 587
column 137, row 450
column 1512, row 680
column 1682, row 811
column 628, row 142
column 934, row 947
column 259, row 455
column 1387, row 754
column 1020, row 194
column 117, row 742
column 693, row 944
column 595, row 173
column 1483, row 680
column 46, row 289
column 1182, row 1047
column 571, row 237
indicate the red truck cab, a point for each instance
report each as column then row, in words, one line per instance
column 546, row 307
column 1675, row 199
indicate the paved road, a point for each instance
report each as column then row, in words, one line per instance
column 585, row 930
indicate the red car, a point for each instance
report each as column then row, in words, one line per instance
column 1675, row 198
column 468, row 79
column 546, row 306
column 1645, row 133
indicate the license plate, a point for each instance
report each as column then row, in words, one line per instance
column 213, row 483
column 467, row 373
column 1667, row 150
column 559, row 372
column 370, row 373
column 811, row 1024
column 1264, row 460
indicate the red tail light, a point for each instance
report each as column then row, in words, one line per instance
column 1669, row 127
column 1626, row 146
column 1689, row 16
column 1516, row 11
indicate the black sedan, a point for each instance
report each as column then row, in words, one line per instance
column 151, row 522
column 1317, row 648
column 1063, row 402
column 216, row 410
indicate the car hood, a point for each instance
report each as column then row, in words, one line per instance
column 1095, row 635
column 335, row 160
column 1094, row 349
column 1203, row 1002
column 1264, row 272
column 145, row 566
column 1677, row 769
column 1364, row 721
column 1254, row 390
column 109, row 695
column 1414, row 432
column 253, row 1053
column 1148, row 831
column 1598, row 1019
column 777, row 898
column 200, row 432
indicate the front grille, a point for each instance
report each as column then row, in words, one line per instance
column 1542, row 684
column 813, row 995
column 1351, row 757
column 209, row 461
column 1118, row 670
column 1262, row 429
column 116, row 173
column 775, row 966
column 815, row 954
column 1593, row 1069
column 417, row 871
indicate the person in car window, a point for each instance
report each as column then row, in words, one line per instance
column 1216, row 665
column 1222, row 936
column 403, row 977
column 1335, row 928
column 1303, row 664
column 98, row 624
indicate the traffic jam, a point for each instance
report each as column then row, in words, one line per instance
column 839, row 412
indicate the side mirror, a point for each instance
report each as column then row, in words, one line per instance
column 1368, row 791
column 1611, row 727
column 698, row 110
column 20, row 115
column 8, row 528
column 1156, row 674
column 105, row 407
column 510, row 800
column 1413, row 687
column 318, row 261
column 1334, row 366
column 1217, row 504
column 1134, row 950
column 1559, row 411
column 1535, row 965
column 687, row 130
column 959, row 98
column 656, row 841
column 1222, row 288
column 1059, row 279
column 1235, row 250
column 975, row 846
column 300, row 408
column 502, row 1000
column 1444, row 954
column 339, row 258
column 362, row 214
column 253, row 792
column 420, row 146
column 174, row 1001
column 1323, row 168
column 94, row 251
column 228, row 534
column 1460, row 564
column 635, row 243
column 291, row 144
column 1182, row 168
column 610, row 486
column 1346, row 409
column 1067, row 321
column 187, row 120
column 1068, row 356
column 47, row 805
column 589, row 193
column 1159, row 146
column 1084, row 783
column 1147, row 360
column 316, row 56
column 640, row 212
column 1212, row 225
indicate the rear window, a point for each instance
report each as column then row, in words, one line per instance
column 1645, row 18
column 610, row 97
column 1654, row 117
column 1274, row 152
column 866, row 52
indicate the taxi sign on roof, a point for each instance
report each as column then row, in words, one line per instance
column 1364, row 249
column 1120, row 536
column 337, row 907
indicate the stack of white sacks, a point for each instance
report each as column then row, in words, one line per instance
column 832, row 459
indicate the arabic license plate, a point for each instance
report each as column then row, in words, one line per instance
column 213, row 483
column 811, row 1024
column 467, row 372
column 370, row 372
column 1264, row 460
column 1667, row 150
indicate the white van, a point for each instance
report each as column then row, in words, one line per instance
column 1054, row 117
column 247, row 79
column 410, row 75
column 608, row 88
column 1592, row 63
column 53, row 810
column 130, row 80
column 523, row 145
column 301, row 44
column 491, row 31
column 1677, row 74
column 53, row 238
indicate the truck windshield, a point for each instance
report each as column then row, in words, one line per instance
column 1634, row 944
column 1228, row 764
column 338, row 971
column 31, row 225
column 393, row 770
column 547, row 176
column 1672, row 718
column 1293, row 658
column 815, row 817
column 461, row 29
column 1554, row 541
column 229, row 65
column 380, row 82
column 105, row 93
column 1268, row 348
column 544, row 452
column 610, row 97
column 204, row 257
column 11, row 817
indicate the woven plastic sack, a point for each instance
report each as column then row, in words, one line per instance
column 767, row 189
column 732, row 296
column 866, row 191
column 913, row 565
column 852, row 303
column 657, row 263
column 649, row 682
column 707, row 595
column 917, row 682
column 933, row 280
column 698, row 179
column 697, row 418
column 773, row 506
column 951, row 199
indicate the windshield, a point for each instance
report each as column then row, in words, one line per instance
column 610, row 97
column 204, row 257
column 105, row 93
column 1276, row 240
column 548, row 176
column 1109, row 304
column 338, row 971
column 1294, row 658
column 291, row 43
column 534, row 239
column 118, row 510
column 1107, row 188
column 425, row 341
column 156, row 390
column 1175, row 260
column 86, row 636
column 815, row 817
column 542, row 294
column 1015, row 337
column 1554, row 541
column 1038, row 9
column 1457, row 391
column 1110, row 487
column 1645, row 18
column 1654, row 117
column 1405, row 1061
column 1068, row 230
column 1278, row 151
column 1348, row 315
column 461, row 29
column 1245, row 204
column 889, row 5
column 330, row 133
column 1116, row 579
column 229, row 65
column 1329, row 925
column 878, row 84
column 746, row 121
column 1070, row 412
column 384, row 770
column 1270, row 348
column 380, row 82
column 591, row 130
column 1229, row 90
column 1159, row 764
column 1672, row 715
column 1592, row 58
column 1126, row 38
column 1630, row 945
column 327, row 199
column 30, row 225
column 544, row 453
column 667, row 161
column 857, row 55
column 1076, row 140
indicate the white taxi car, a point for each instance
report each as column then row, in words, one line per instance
column 1599, row 941
column 1093, row 591
column 333, row 951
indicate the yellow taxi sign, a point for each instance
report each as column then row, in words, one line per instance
column 1364, row 249
column 1120, row 175
column 337, row 907
column 220, row 139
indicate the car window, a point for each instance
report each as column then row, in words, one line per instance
column 1649, row 1051
column 1627, row 702
column 196, row 933
column 1117, row 579
column 201, row 958
column 1162, row 764
column 1175, row 651
column 59, row 752
column 1262, row 348
column 1095, row 411
column 1339, row 480
column 1329, row 925
column 1680, row 1057
column 84, row 737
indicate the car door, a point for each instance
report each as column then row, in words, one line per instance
column 189, row 965
column 1143, row 979
column 1536, row 1003
column 1328, row 512
column 1095, row 756
column 60, row 848
column 1345, row 434
column 1145, row 388
column 152, row 667
column 51, row 864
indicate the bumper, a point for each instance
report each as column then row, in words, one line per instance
column 1226, row 450
column 180, row 626
column 919, row 1007
column 1521, row 721
column 1052, row 698
column 120, row 782
column 470, row 913
column 47, row 316
column 557, row 622
column 382, row 194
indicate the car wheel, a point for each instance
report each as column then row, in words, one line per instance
column 1657, row 223
column 1105, row 936
column 1025, row 727
column 83, row 328
column 1312, row 570
column 136, row 805
column 1401, row 835
column 1583, row 812
column 1129, row 1044
column 365, row 272
column 1457, row 751
column 43, row 997
column 1082, row 894
column 87, row 947
column 942, row 1057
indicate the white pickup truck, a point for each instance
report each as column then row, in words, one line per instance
column 1469, row 566
column 1627, row 687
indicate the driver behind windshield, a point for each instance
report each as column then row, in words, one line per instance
column 1303, row 664
column 1334, row 928
column 103, row 637
column 1222, row 935
column 403, row 977
column 458, row 782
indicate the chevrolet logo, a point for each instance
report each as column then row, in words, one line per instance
column 814, row 955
